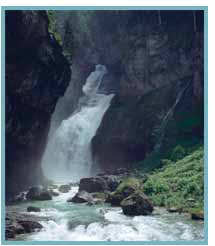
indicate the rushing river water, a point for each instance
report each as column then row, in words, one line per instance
column 80, row 222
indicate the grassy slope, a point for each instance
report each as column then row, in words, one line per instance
column 179, row 184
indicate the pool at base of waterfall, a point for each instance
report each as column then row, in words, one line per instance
column 67, row 221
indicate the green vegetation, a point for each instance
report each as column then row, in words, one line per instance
column 65, row 40
column 53, row 26
column 180, row 182
column 128, row 182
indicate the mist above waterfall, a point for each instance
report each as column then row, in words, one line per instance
column 68, row 152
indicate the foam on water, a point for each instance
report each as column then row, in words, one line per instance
column 63, row 221
column 115, row 226
column 68, row 152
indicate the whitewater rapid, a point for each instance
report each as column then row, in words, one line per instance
column 63, row 221
column 68, row 153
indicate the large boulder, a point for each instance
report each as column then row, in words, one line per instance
column 44, row 195
column 113, row 181
column 81, row 197
column 126, row 187
column 20, row 224
column 93, row 184
column 64, row 188
column 38, row 194
column 115, row 198
column 137, row 204
column 33, row 193
column 30, row 226
column 33, row 209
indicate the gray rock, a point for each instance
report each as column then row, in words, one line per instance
column 36, row 193
column 33, row 193
column 113, row 181
column 44, row 195
column 137, row 204
column 33, row 209
column 64, row 188
column 116, row 198
column 19, row 229
column 30, row 226
column 81, row 197
column 93, row 184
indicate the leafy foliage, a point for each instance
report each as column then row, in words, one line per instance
column 128, row 182
column 179, row 184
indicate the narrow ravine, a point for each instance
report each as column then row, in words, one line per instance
column 106, row 152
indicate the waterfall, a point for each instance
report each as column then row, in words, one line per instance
column 68, row 153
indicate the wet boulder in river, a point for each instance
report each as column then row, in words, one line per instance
column 30, row 226
column 64, row 188
column 20, row 224
column 38, row 194
column 33, row 193
column 81, row 197
column 45, row 195
column 115, row 198
column 137, row 204
column 33, row 209
column 93, row 184
column 126, row 188
column 197, row 215
column 113, row 181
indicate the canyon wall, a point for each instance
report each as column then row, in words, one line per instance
column 37, row 75
column 155, row 63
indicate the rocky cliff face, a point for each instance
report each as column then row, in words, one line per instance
column 37, row 74
column 155, row 64
column 160, row 98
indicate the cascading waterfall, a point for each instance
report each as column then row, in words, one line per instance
column 68, row 152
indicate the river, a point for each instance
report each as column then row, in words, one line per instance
column 62, row 220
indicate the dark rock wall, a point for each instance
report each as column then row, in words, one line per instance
column 37, row 75
column 151, row 57
column 159, row 63
column 150, row 60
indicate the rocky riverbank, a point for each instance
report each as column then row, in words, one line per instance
column 116, row 189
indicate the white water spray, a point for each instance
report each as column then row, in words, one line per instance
column 68, row 153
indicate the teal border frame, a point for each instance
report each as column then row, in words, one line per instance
column 178, row 242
